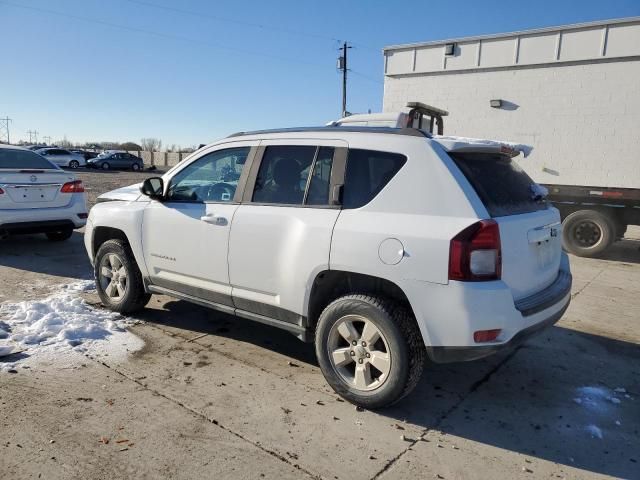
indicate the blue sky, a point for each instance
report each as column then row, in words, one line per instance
column 192, row 71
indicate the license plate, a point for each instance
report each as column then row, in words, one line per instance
column 32, row 194
column 546, row 253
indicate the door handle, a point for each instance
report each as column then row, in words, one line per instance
column 214, row 219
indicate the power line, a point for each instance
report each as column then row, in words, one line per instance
column 159, row 34
column 4, row 127
column 260, row 26
column 218, row 18
column 366, row 77
column 33, row 136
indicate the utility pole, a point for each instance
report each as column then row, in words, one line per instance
column 33, row 134
column 47, row 139
column 342, row 65
column 4, row 127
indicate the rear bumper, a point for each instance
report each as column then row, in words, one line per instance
column 449, row 315
column 40, row 220
column 465, row 354
column 36, row 227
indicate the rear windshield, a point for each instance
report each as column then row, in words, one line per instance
column 504, row 187
column 23, row 159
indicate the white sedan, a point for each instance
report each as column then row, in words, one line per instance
column 37, row 196
column 63, row 158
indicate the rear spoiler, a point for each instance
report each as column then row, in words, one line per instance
column 464, row 144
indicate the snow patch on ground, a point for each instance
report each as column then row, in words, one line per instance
column 594, row 431
column 61, row 323
column 601, row 404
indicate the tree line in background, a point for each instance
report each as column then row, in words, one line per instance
column 149, row 144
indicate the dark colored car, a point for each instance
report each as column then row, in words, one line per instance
column 117, row 160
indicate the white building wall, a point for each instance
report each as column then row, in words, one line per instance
column 582, row 117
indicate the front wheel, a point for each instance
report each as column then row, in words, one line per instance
column 118, row 278
column 105, row 166
column 74, row 164
column 370, row 350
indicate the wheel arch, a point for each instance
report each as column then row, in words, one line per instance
column 102, row 233
column 329, row 285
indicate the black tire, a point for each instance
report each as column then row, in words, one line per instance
column 136, row 167
column 74, row 164
column 105, row 166
column 134, row 296
column 405, row 347
column 587, row 233
column 60, row 235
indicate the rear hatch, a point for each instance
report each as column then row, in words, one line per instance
column 29, row 181
column 529, row 226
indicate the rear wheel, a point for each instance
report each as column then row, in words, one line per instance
column 370, row 350
column 135, row 167
column 60, row 235
column 118, row 279
column 105, row 166
column 587, row 233
column 74, row 164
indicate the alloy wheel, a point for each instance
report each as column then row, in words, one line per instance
column 359, row 352
column 113, row 276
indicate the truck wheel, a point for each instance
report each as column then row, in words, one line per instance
column 118, row 279
column 370, row 350
column 587, row 233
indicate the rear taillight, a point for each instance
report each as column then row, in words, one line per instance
column 474, row 253
column 73, row 187
column 1, row 191
column 482, row 336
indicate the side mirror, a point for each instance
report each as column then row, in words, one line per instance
column 153, row 188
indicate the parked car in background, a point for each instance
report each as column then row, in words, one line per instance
column 116, row 160
column 62, row 157
column 381, row 245
column 86, row 154
column 36, row 196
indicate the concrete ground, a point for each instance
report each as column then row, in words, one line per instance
column 212, row 396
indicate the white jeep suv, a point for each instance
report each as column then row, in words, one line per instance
column 381, row 245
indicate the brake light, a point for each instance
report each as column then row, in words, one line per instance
column 1, row 191
column 474, row 253
column 73, row 187
column 485, row 335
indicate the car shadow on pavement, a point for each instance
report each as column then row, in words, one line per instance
column 627, row 250
column 196, row 320
column 34, row 253
column 550, row 399
column 553, row 398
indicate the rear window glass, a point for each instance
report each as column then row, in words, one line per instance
column 23, row 159
column 367, row 173
column 502, row 185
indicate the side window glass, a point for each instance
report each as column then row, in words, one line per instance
column 212, row 178
column 282, row 177
column 367, row 173
column 318, row 192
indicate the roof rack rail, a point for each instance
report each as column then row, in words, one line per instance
column 413, row 132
